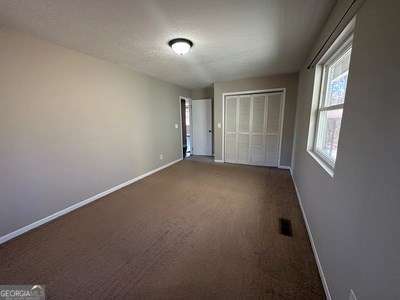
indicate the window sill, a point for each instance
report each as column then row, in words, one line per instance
column 328, row 169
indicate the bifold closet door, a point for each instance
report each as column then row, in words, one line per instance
column 273, row 129
column 253, row 128
column 257, row 139
column 237, row 129
column 243, row 129
column 230, row 129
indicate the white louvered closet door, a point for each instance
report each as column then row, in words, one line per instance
column 257, row 145
column 230, row 128
column 253, row 129
column 273, row 129
column 243, row 132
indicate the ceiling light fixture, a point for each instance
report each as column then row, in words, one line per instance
column 180, row 46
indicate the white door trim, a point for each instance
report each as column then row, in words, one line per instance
column 283, row 90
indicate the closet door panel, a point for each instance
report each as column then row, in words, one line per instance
column 258, row 149
column 257, row 140
column 258, row 120
column 274, row 113
column 271, row 147
column 244, row 114
column 230, row 128
column 230, row 147
column 273, row 129
column 230, row 114
column 243, row 143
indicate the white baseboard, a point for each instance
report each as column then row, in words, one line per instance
column 286, row 168
column 320, row 270
column 60, row 213
column 218, row 161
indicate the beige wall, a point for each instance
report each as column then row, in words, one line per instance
column 354, row 216
column 203, row 93
column 72, row 126
column 288, row 81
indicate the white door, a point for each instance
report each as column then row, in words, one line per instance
column 253, row 128
column 202, row 127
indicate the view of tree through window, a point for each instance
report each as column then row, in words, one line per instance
column 335, row 75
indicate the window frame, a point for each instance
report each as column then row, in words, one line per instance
column 325, row 63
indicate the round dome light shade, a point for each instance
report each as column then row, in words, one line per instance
column 180, row 46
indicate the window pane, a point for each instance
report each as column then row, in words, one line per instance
column 328, row 133
column 337, row 80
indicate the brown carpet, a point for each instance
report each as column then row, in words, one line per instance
column 196, row 230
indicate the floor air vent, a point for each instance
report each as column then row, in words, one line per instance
column 285, row 227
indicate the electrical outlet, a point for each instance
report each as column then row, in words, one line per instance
column 176, row 126
column 161, row 156
column 352, row 295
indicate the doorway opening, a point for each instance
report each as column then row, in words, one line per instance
column 185, row 109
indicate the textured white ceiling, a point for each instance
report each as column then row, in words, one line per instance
column 232, row 38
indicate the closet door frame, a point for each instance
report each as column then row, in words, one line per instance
column 251, row 92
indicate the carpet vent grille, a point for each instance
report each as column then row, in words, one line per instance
column 285, row 227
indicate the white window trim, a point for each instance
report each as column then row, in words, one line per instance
column 340, row 47
column 321, row 162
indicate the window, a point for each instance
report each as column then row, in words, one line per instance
column 334, row 72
